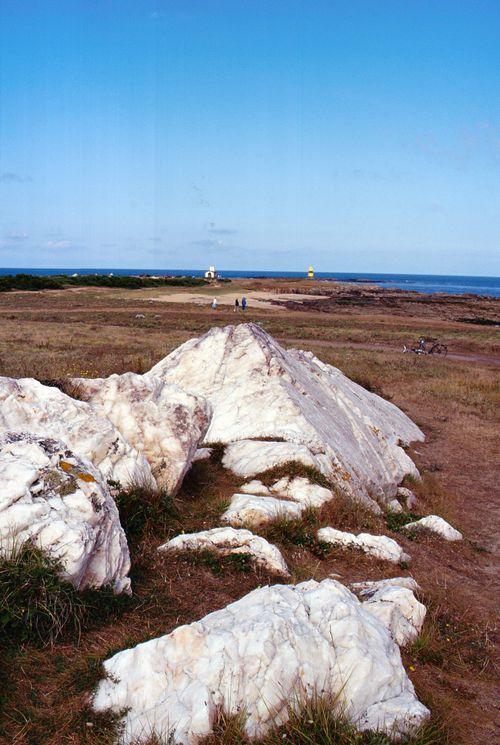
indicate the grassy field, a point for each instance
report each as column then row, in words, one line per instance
column 95, row 332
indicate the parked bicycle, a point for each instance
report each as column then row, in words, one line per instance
column 422, row 348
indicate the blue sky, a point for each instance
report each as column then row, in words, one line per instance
column 358, row 136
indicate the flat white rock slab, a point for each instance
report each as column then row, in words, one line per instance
column 254, row 510
column 161, row 421
column 298, row 489
column 379, row 546
column 248, row 458
column 257, row 655
column 231, row 541
column 436, row 524
column 28, row 406
column 259, row 390
column 61, row 504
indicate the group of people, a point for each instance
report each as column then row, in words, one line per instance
column 237, row 304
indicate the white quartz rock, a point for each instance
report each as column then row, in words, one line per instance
column 260, row 390
column 255, row 487
column 301, row 490
column 394, row 506
column 202, row 454
column 28, row 406
column 437, row 525
column 230, row 541
column 379, row 546
column 370, row 587
column 61, row 503
column 248, row 458
column 254, row 510
column 161, row 421
column 258, row 655
column 399, row 610
column 407, row 496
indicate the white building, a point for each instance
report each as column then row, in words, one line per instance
column 211, row 273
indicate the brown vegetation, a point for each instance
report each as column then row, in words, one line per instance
column 94, row 333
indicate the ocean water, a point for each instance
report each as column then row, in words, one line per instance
column 427, row 283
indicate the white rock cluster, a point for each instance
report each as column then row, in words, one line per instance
column 435, row 524
column 161, row 421
column 226, row 541
column 257, row 504
column 379, row 546
column 260, row 391
column 28, row 406
column 60, row 503
column 392, row 601
column 257, row 656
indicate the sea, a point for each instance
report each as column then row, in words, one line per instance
column 426, row 283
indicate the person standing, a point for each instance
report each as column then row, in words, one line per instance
column 236, row 305
column 214, row 304
column 243, row 303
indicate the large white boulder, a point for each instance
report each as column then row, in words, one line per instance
column 392, row 601
column 435, row 524
column 259, row 390
column 61, row 504
column 258, row 656
column 161, row 421
column 227, row 541
column 28, row 406
column 379, row 546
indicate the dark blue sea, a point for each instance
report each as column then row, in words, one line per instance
column 428, row 283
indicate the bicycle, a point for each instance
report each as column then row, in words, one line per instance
column 436, row 348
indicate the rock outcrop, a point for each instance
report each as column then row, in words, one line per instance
column 258, row 656
column 225, row 541
column 161, row 421
column 260, row 391
column 60, row 503
column 379, row 546
column 435, row 524
column 28, row 406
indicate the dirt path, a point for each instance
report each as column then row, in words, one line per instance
column 479, row 358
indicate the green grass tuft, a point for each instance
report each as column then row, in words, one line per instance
column 38, row 606
column 144, row 510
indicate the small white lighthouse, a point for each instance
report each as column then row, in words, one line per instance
column 211, row 273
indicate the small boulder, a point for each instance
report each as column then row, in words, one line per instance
column 60, row 503
column 254, row 510
column 379, row 546
column 435, row 524
column 226, row 541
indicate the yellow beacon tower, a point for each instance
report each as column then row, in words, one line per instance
column 310, row 273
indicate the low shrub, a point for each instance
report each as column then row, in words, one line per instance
column 143, row 510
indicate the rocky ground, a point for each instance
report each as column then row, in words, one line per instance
column 449, row 656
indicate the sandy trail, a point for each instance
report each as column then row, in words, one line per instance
column 462, row 357
column 255, row 298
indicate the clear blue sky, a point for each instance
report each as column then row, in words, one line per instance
column 358, row 136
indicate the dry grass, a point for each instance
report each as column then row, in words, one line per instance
column 94, row 334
